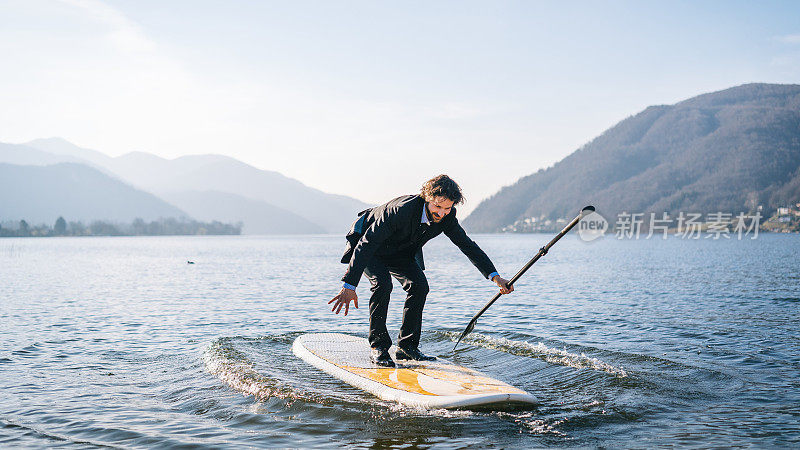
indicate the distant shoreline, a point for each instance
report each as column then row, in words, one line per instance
column 161, row 227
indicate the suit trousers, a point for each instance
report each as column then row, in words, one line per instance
column 414, row 282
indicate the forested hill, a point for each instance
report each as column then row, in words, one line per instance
column 727, row 151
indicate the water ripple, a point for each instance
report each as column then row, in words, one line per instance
column 540, row 350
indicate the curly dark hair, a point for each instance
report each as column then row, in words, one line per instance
column 442, row 186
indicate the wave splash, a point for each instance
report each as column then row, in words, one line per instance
column 539, row 350
column 222, row 359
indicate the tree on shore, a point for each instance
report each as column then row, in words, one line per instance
column 139, row 227
column 60, row 228
column 24, row 229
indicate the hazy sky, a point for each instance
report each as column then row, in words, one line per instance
column 371, row 98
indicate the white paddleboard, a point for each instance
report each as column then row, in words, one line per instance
column 424, row 384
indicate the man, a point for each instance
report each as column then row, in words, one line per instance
column 387, row 240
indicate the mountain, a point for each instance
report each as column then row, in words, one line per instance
column 166, row 177
column 39, row 194
column 26, row 155
column 62, row 147
column 728, row 151
column 258, row 217
column 331, row 213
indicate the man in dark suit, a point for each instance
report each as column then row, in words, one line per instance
column 387, row 240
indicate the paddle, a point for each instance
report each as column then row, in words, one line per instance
column 542, row 251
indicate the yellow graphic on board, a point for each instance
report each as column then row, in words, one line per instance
column 435, row 381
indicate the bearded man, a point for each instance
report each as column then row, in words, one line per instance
column 386, row 241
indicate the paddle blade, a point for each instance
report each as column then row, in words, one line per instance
column 468, row 330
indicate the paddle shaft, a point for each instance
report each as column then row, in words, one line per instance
column 542, row 251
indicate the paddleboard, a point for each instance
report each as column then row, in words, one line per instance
column 422, row 384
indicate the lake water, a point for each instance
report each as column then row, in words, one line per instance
column 120, row 342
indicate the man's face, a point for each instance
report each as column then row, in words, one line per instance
column 440, row 207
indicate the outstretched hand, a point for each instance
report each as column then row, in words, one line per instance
column 502, row 283
column 343, row 299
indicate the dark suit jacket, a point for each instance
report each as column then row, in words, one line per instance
column 393, row 232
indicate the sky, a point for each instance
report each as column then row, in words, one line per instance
column 371, row 98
